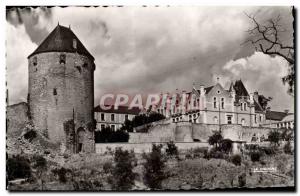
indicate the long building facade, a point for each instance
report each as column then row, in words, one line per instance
column 215, row 105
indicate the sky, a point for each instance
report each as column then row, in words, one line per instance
column 155, row 49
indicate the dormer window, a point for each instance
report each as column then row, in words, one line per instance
column 34, row 61
column 74, row 43
column 62, row 59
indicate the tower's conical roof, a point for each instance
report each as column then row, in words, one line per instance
column 61, row 40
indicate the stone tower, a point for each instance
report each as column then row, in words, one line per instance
column 61, row 91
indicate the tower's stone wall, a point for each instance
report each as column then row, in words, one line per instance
column 61, row 88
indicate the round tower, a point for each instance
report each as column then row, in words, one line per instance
column 61, row 91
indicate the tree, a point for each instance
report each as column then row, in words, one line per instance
column 226, row 145
column 172, row 149
column 266, row 37
column 122, row 172
column 154, row 168
column 108, row 135
column 274, row 137
column 18, row 167
column 215, row 139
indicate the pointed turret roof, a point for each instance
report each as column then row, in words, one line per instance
column 61, row 40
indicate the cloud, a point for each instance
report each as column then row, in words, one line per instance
column 18, row 47
column 262, row 73
column 154, row 49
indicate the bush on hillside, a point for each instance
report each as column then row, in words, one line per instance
column 154, row 166
column 17, row 167
column 122, row 172
column 255, row 156
column 225, row 145
column 172, row 149
column 236, row 159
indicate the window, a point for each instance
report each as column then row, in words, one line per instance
column 102, row 126
column 102, row 117
column 222, row 103
column 74, row 43
column 113, row 127
column 54, row 91
column 229, row 119
column 173, row 119
column 126, row 116
column 245, row 106
column 112, row 117
column 190, row 118
column 215, row 102
column 34, row 61
column 218, row 92
column 255, row 118
column 243, row 121
column 242, row 107
column 62, row 59
column 216, row 120
column 260, row 118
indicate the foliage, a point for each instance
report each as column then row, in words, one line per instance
column 142, row 119
column 271, row 150
column 287, row 148
column 242, row 180
column 215, row 139
column 200, row 152
column 18, row 167
column 225, row 145
column 274, row 137
column 154, row 168
column 109, row 135
column 61, row 173
column 172, row 149
column 40, row 165
column 107, row 167
column 215, row 153
column 255, row 156
column 286, row 134
column 236, row 159
column 122, row 172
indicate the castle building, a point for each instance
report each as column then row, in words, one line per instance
column 276, row 119
column 61, row 91
column 216, row 105
column 114, row 117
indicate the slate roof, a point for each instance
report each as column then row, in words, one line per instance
column 61, row 40
column 274, row 115
column 120, row 110
column 240, row 88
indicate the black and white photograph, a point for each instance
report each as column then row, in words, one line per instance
column 150, row 98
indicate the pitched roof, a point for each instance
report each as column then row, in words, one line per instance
column 207, row 89
column 120, row 110
column 274, row 115
column 61, row 40
column 240, row 88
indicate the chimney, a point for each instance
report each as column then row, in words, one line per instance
column 202, row 92
column 251, row 98
column 255, row 96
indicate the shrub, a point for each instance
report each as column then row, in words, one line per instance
column 215, row 139
column 255, row 156
column 172, row 149
column 274, row 137
column 107, row 167
column 40, row 165
column 236, row 159
column 226, row 145
column 200, row 152
column 122, row 172
column 17, row 167
column 61, row 173
column 154, row 168
column 287, row 148
column 268, row 150
column 109, row 135
column 242, row 180
column 215, row 153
